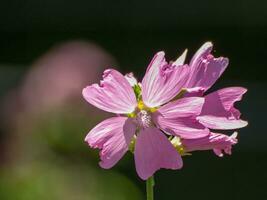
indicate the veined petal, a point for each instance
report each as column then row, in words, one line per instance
column 183, row 127
column 113, row 137
column 131, row 79
column 221, row 123
column 154, row 151
column 184, row 107
column 202, row 52
column 162, row 81
column 179, row 118
column 114, row 94
column 214, row 141
column 218, row 111
column 205, row 69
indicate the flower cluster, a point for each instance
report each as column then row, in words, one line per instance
column 167, row 115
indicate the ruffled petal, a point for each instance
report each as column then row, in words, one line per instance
column 162, row 81
column 218, row 111
column 114, row 94
column 217, row 142
column 179, row 118
column 154, row 151
column 201, row 53
column 205, row 69
column 112, row 136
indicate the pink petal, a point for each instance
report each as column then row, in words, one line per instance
column 205, row 69
column 221, row 123
column 180, row 60
column 112, row 136
column 184, row 107
column 216, row 141
column 179, row 118
column 162, row 81
column 114, row 94
column 218, row 111
column 202, row 52
column 154, row 151
column 131, row 79
column 194, row 92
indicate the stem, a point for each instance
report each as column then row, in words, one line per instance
column 149, row 188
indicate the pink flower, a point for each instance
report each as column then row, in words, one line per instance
column 165, row 116
column 143, row 113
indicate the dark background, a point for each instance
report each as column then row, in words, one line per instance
column 132, row 31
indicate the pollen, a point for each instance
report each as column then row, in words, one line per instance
column 176, row 142
column 181, row 150
column 153, row 109
column 141, row 105
column 131, row 115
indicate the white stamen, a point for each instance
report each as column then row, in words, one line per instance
column 144, row 119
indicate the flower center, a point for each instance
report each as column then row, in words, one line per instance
column 142, row 115
column 144, row 119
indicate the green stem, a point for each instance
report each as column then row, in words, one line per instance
column 149, row 188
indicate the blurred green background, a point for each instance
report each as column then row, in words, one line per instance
column 50, row 50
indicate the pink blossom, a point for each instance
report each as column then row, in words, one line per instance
column 143, row 118
column 167, row 104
